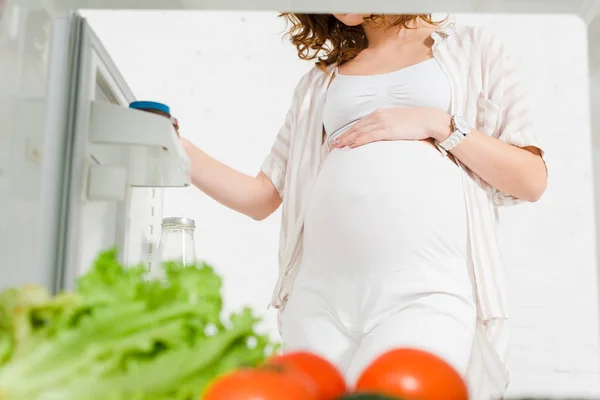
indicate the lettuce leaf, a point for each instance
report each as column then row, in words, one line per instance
column 121, row 336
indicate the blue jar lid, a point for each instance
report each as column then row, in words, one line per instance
column 150, row 105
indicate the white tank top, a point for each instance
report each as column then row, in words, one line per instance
column 351, row 98
column 391, row 204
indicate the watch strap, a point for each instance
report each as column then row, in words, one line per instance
column 455, row 137
column 451, row 141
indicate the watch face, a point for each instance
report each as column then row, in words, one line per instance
column 461, row 124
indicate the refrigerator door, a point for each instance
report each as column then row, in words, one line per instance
column 35, row 65
column 126, row 217
column 66, row 177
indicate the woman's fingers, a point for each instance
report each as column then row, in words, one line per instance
column 349, row 137
column 345, row 138
column 374, row 135
column 367, row 120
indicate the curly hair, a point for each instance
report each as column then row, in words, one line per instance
column 324, row 38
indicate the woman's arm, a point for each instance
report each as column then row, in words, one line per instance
column 520, row 172
column 255, row 197
column 259, row 196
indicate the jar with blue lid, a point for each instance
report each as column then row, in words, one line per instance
column 156, row 108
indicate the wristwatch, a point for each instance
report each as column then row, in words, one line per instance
column 460, row 128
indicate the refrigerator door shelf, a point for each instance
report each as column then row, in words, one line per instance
column 155, row 157
column 107, row 183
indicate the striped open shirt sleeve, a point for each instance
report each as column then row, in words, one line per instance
column 276, row 163
column 505, row 90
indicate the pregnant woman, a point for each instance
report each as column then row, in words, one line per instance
column 397, row 149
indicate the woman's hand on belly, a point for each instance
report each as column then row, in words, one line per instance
column 399, row 123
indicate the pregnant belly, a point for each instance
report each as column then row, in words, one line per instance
column 387, row 204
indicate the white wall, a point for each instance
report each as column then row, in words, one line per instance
column 228, row 77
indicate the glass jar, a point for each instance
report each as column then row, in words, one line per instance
column 176, row 245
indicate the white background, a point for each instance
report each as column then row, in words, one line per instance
column 228, row 77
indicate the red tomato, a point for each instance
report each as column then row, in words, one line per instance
column 413, row 374
column 324, row 379
column 258, row 384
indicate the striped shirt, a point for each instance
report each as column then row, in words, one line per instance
column 486, row 91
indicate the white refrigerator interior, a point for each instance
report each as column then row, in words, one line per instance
column 80, row 172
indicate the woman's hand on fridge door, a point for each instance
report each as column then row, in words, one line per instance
column 255, row 197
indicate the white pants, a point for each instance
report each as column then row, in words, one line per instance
column 352, row 320
column 384, row 260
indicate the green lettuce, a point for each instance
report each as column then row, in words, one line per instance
column 122, row 336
